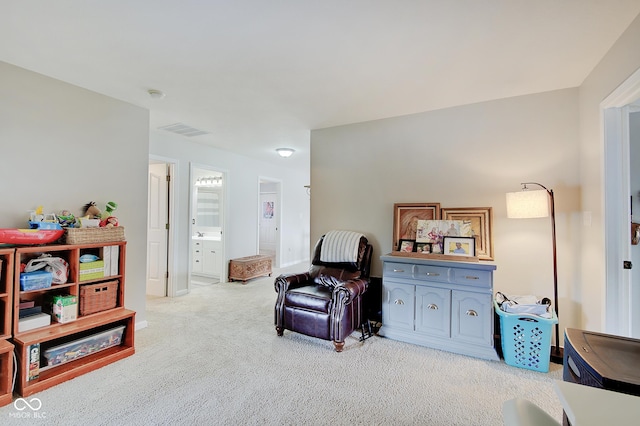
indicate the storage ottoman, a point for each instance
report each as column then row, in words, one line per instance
column 245, row 268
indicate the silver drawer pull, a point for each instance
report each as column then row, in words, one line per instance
column 398, row 270
column 398, row 302
column 432, row 306
column 471, row 277
column 433, row 274
column 471, row 313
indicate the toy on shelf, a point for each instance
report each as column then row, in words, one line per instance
column 43, row 229
column 91, row 218
column 66, row 219
column 91, row 211
column 108, row 211
column 107, row 219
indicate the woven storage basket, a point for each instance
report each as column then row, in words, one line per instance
column 98, row 297
column 94, row 235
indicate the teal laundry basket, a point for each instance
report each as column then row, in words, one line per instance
column 526, row 339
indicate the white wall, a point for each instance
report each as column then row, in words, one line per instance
column 467, row 156
column 62, row 146
column 470, row 156
column 242, row 200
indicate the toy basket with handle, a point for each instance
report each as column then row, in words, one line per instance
column 526, row 339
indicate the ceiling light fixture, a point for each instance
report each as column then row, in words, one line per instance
column 285, row 152
column 156, row 94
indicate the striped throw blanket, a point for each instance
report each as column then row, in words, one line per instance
column 340, row 246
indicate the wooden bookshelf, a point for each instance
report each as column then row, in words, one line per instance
column 33, row 372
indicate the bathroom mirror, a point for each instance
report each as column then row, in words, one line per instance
column 207, row 207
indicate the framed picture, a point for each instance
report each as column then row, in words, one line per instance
column 406, row 246
column 433, row 231
column 478, row 220
column 267, row 209
column 406, row 216
column 459, row 246
column 423, row 248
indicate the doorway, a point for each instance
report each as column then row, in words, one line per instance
column 622, row 308
column 160, row 213
column 269, row 218
column 206, row 225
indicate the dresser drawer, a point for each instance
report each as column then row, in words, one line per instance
column 399, row 270
column 432, row 273
column 471, row 277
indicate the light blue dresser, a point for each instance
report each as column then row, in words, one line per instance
column 442, row 304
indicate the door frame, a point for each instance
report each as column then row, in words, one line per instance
column 278, row 216
column 225, row 185
column 615, row 132
column 172, row 170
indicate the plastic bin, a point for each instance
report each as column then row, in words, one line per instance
column 526, row 339
column 35, row 280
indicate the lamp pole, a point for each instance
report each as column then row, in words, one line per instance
column 557, row 355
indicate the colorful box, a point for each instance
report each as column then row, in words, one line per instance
column 35, row 280
column 91, row 270
column 33, row 355
column 64, row 308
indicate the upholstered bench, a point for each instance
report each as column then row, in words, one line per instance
column 245, row 268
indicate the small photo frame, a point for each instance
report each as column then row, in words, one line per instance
column 459, row 246
column 423, row 248
column 406, row 246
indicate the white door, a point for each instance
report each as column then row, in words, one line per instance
column 621, row 299
column 268, row 223
column 157, row 232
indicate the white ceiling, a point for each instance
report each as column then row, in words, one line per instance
column 259, row 74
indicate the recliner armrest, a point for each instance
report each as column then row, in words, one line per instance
column 350, row 290
column 287, row 281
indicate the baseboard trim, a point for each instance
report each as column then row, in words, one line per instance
column 141, row 324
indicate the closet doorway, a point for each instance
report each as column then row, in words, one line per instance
column 269, row 218
column 160, row 233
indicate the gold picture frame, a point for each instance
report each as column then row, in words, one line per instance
column 480, row 220
column 406, row 216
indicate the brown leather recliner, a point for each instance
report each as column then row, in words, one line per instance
column 325, row 302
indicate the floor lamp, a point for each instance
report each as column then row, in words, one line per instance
column 527, row 204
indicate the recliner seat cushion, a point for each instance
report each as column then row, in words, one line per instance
column 313, row 297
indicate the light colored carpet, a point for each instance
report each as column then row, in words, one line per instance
column 213, row 358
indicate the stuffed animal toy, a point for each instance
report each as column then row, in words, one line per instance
column 109, row 222
column 91, row 211
column 109, row 209
column 66, row 219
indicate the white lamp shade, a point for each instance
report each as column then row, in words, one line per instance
column 528, row 204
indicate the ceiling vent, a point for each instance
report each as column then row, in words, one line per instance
column 183, row 129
